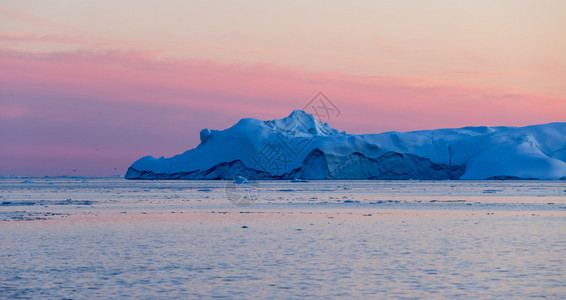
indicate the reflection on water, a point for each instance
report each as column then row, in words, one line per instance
column 148, row 246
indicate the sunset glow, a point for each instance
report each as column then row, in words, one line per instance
column 86, row 90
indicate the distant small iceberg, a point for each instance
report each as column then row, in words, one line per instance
column 299, row 180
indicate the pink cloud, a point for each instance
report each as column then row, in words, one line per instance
column 134, row 104
column 11, row 111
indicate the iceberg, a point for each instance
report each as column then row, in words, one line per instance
column 301, row 147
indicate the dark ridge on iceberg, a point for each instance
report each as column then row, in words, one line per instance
column 507, row 177
column 393, row 165
column 390, row 165
column 225, row 170
column 315, row 165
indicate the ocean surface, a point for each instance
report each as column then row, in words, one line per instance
column 80, row 237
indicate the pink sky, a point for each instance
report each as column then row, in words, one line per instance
column 91, row 87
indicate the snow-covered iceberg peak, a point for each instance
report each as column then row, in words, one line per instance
column 300, row 124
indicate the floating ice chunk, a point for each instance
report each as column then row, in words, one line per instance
column 351, row 201
column 240, row 180
column 299, row 180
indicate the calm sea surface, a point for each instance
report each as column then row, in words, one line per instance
column 109, row 237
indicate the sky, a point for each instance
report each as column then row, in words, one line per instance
column 88, row 87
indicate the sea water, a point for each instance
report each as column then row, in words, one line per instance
column 110, row 237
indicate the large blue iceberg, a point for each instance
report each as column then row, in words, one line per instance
column 299, row 146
